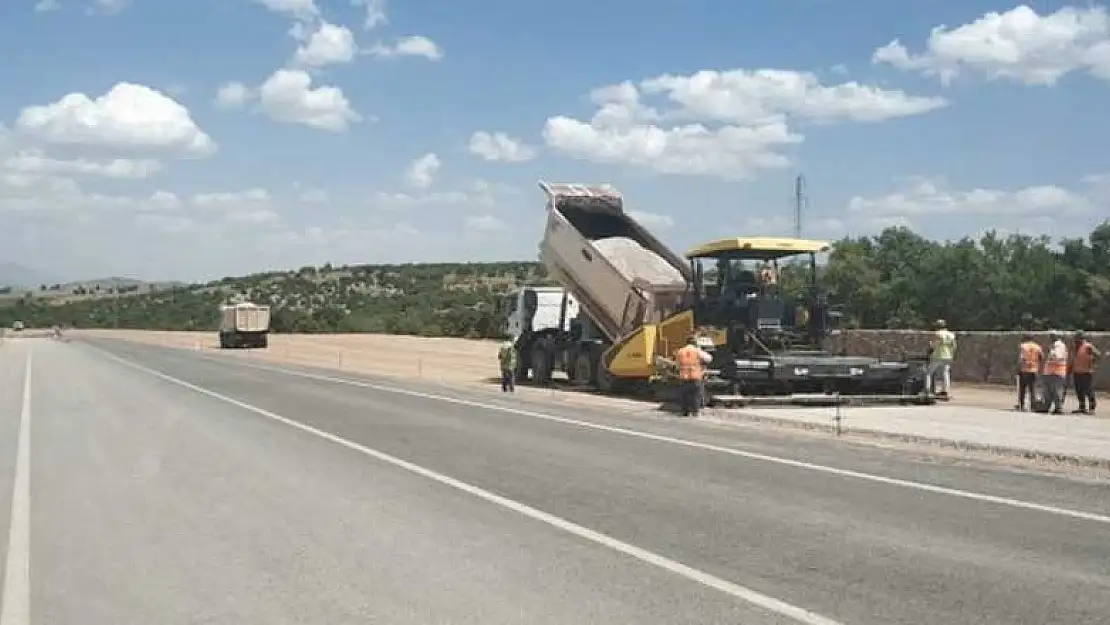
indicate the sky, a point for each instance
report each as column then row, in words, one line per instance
column 200, row 139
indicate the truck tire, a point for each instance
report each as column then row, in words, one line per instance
column 223, row 341
column 264, row 341
column 541, row 369
column 584, row 369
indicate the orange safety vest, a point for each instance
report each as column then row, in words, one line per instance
column 1056, row 367
column 1084, row 358
column 1030, row 355
column 689, row 364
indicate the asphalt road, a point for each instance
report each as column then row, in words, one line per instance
column 167, row 486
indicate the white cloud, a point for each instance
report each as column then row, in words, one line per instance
column 375, row 12
column 484, row 223
column 301, row 9
column 421, row 173
column 323, row 243
column 729, row 152
column 166, row 224
column 329, row 44
column 779, row 226
column 925, row 197
column 313, row 196
column 725, row 124
column 416, row 45
column 128, row 117
column 385, row 200
column 250, row 206
column 47, row 5
column 233, row 95
column 767, row 95
column 499, row 146
column 288, row 96
column 652, row 221
column 108, row 7
column 1019, row 45
column 36, row 162
column 162, row 201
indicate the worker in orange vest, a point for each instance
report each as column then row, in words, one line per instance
column 1083, row 364
column 691, row 361
column 1030, row 359
column 1056, row 372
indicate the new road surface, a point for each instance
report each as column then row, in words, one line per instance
column 143, row 485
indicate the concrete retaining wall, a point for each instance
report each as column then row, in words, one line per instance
column 981, row 357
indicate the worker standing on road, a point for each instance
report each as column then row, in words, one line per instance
column 1056, row 373
column 943, row 349
column 507, row 358
column 691, row 368
column 1083, row 364
column 1030, row 360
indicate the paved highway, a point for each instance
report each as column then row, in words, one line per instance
column 165, row 486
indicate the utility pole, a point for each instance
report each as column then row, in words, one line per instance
column 799, row 204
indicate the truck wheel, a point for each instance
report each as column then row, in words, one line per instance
column 540, row 371
column 604, row 379
column 583, row 370
column 223, row 341
column 264, row 342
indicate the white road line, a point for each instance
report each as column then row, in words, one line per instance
column 17, row 571
column 870, row 477
column 753, row 597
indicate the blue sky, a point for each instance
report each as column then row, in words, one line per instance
column 217, row 137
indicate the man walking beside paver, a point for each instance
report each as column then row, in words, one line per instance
column 1083, row 364
column 507, row 357
column 943, row 353
column 1030, row 360
column 1056, row 373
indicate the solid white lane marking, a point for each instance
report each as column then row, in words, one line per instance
column 743, row 593
column 751, row 455
column 17, row 571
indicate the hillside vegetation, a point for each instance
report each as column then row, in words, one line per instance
column 894, row 280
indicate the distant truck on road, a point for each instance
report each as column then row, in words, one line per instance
column 17, row 326
column 244, row 325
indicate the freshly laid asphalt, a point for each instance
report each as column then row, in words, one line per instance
column 168, row 486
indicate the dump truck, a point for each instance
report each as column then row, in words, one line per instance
column 245, row 324
column 533, row 313
column 617, row 274
column 638, row 302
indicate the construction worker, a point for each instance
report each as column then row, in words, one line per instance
column 1056, row 373
column 507, row 358
column 767, row 278
column 1030, row 361
column 691, row 361
column 1083, row 364
column 943, row 352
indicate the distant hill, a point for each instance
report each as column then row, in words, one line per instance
column 16, row 276
column 434, row 300
column 897, row 279
column 63, row 292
